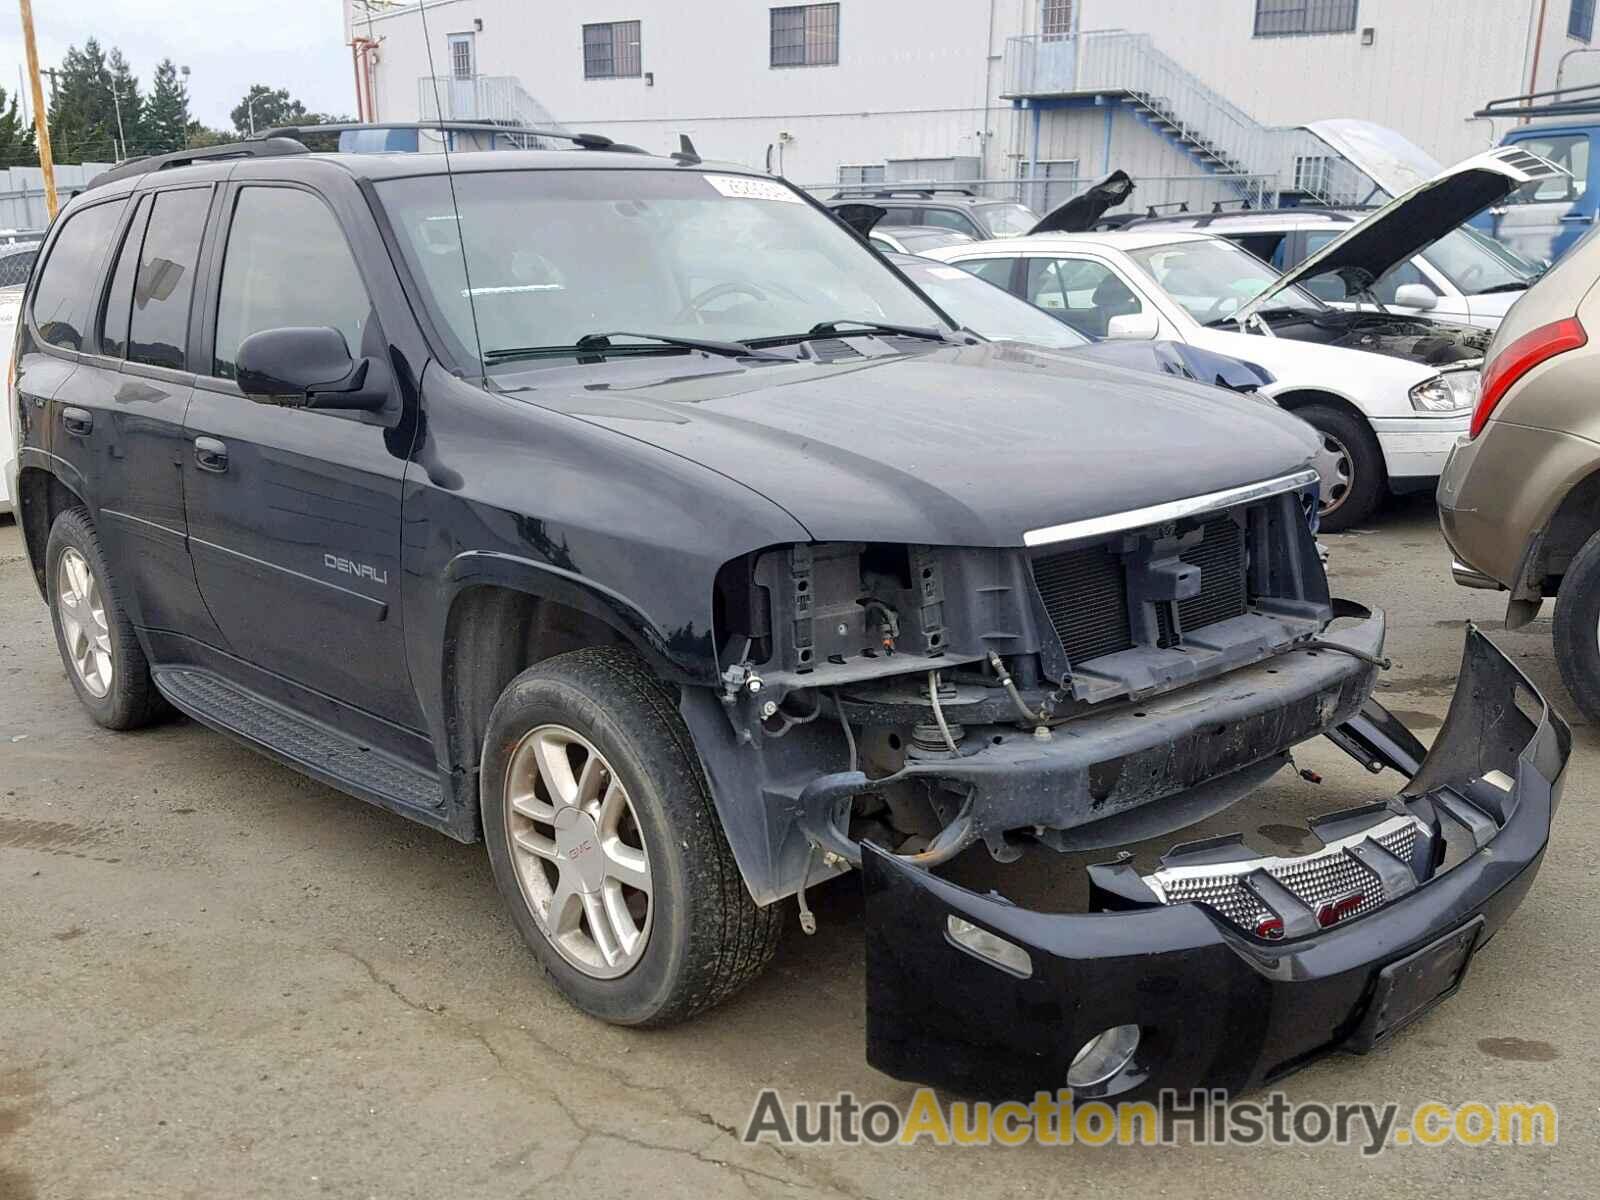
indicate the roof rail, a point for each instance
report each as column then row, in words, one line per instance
column 1578, row 101
column 585, row 141
column 925, row 191
column 266, row 147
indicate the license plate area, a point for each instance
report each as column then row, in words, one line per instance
column 1411, row 986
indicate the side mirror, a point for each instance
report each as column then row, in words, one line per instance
column 1142, row 324
column 1415, row 295
column 309, row 368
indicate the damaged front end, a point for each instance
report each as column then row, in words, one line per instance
column 1223, row 968
column 1114, row 679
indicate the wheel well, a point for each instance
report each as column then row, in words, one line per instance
column 1301, row 399
column 1570, row 526
column 492, row 635
column 41, row 497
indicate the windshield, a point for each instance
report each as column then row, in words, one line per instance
column 555, row 255
column 1004, row 220
column 987, row 310
column 1477, row 264
column 1212, row 279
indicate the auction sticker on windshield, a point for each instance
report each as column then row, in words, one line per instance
column 741, row 187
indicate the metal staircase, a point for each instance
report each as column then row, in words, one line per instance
column 1127, row 68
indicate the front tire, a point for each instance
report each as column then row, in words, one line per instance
column 1576, row 631
column 1350, row 462
column 105, row 663
column 607, row 848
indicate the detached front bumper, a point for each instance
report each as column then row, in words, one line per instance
column 1216, row 1005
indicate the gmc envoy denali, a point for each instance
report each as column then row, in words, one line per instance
column 633, row 515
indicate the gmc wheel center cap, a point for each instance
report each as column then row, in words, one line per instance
column 578, row 845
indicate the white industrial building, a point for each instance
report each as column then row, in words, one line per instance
column 1197, row 99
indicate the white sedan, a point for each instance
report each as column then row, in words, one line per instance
column 1385, row 419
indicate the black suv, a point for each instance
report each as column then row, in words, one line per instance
column 958, row 209
column 632, row 515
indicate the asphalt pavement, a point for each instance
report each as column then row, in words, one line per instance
column 219, row 979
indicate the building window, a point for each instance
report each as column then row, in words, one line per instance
column 858, row 176
column 1313, row 174
column 611, row 50
column 1580, row 20
column 805, row 35
column 1285, row 18
column 1055, row 19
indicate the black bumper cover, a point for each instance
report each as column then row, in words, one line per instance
column 1216, row 1007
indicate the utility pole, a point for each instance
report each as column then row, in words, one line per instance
column 116, row 104
column 41, row 123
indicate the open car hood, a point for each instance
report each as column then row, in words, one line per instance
column 1417, row 219
column 1088, row 206
column 863, row 218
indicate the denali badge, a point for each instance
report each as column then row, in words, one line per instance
column 360, row 570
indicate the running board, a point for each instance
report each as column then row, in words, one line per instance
column 318, row 750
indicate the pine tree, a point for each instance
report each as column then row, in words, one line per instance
column 267, row 108
column 17, row 147
column 83, row 120
column 165, row 120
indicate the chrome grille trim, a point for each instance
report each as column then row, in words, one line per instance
column 1172, row 510
column 1318, row 878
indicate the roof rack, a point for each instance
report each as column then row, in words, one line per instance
column 585, row 141
column 265, row 147
column 888, row 193
column 1555, row 102
column 1282, row 210
column 1176, row 205
column 1220, row 205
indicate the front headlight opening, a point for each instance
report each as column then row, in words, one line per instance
column 1452, row 392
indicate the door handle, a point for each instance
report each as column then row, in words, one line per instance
column 77, row 420
column 210, row 454
column 1586, row 218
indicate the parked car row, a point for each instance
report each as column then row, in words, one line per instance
column 634, row 516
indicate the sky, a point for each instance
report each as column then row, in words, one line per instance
column 227, row 45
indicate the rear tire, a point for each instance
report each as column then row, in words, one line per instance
column 105, row 663
column 1351, row 455
column 574, row 887
column 1576, row 631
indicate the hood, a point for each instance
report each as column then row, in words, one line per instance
column 1081, row 212
column 1411, row 222
column 860, row 217
column 956, row 445
column 1391, row 162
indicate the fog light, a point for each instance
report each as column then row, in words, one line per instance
column 1103, row 1056
column 1008, row 956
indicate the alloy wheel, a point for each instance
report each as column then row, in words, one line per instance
column 1335, row 472
column 578, row 850
column 81, row 607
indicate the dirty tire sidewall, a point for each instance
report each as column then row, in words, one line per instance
column 132, row 699
column 707, row 938
column 1370, row 482
column 1576, row 629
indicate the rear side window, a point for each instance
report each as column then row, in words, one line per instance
column 65, row 296
column 158, row 329
column 893, row 215
column 287, row 264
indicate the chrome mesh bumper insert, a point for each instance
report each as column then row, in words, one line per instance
column 1273, row 897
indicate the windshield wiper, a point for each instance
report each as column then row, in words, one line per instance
column 845, row 326
column 600, row 343
column 1520, row 285
column 831, row 329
